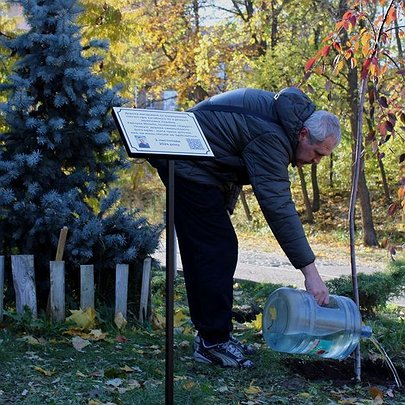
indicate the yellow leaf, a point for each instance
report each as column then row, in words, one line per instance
column 97, row 334
column 44, row 372
column 257, row 323
column 158, row 321
column 253, row 389
column 179, row 318
column 120, row 321
column 189, row 385
column 83, row 319
column 127, row 369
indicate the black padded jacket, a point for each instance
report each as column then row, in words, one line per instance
column 253, row 135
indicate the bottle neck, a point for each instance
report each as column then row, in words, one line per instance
column 366, row 332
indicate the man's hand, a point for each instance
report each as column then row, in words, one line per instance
column 314, row 284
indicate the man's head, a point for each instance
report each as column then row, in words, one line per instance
column 317, row 138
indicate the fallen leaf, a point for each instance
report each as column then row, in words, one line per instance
column 179, row 318
column 158, row 321
column 375, row 392
column 185, row 344
column 134, row 384
column 79, row 343
column 189, row 385
column 115, row 382
column 97, row 334
column 80, row 374
column 121, row 339
column 120, row 321
column 257, row 323
column 44, row 372
column 84, row 319
column 127, row 369
column 253, row 389
column 30, row 340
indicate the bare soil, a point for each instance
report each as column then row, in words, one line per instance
column 373, row 373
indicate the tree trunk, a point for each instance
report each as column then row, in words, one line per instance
column 369, row 234
column 331, row 170
column 387, row 192
column 308, row 208
column 316, row 199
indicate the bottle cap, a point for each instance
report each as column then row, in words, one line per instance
column 366, row 332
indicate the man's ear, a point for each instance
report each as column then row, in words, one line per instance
column 303, row 134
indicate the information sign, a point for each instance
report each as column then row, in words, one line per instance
column 158, row 132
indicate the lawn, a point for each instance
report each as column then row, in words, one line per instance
column 62, row 364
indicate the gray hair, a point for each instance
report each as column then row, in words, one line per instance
column 321, row 125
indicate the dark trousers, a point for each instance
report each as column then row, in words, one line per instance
column 209, row 252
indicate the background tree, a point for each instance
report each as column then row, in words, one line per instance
column 58, row 154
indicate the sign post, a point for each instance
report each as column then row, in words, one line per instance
column 173, row 136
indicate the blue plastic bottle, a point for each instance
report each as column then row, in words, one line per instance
column 293, row 322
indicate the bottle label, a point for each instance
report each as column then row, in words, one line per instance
column 319, row 347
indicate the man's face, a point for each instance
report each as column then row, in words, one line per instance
column 308, row 152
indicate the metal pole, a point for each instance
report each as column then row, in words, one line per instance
column 170, row 262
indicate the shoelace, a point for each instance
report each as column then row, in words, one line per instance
column 231, row 348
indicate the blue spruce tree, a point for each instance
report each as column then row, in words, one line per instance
column 58, row 154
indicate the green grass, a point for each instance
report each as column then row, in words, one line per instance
column 39, row 365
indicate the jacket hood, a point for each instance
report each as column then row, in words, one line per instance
column 293, row 107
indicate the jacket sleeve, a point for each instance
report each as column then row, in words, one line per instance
column 267, row 159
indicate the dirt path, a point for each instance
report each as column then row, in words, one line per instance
column 254, row 264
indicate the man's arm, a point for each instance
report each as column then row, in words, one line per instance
column 314, row 284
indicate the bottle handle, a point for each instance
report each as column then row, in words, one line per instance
column 332, row 303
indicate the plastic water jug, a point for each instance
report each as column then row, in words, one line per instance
column 293, row 322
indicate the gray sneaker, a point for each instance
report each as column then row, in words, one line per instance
column 224, row 354
column 246, row 349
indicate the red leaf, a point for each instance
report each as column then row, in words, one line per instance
column 366, row 67
column 347, row 15
column 310, row 64
column 382, row 129
column 392, row 209
column 325, row 51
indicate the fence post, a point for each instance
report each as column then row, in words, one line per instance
column 24, row 283
column 86, row 286
column 143, row 305
column 121, row 289
column 57, row 293
column 1, row 286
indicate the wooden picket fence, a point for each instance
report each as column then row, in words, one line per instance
column 23, row 273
